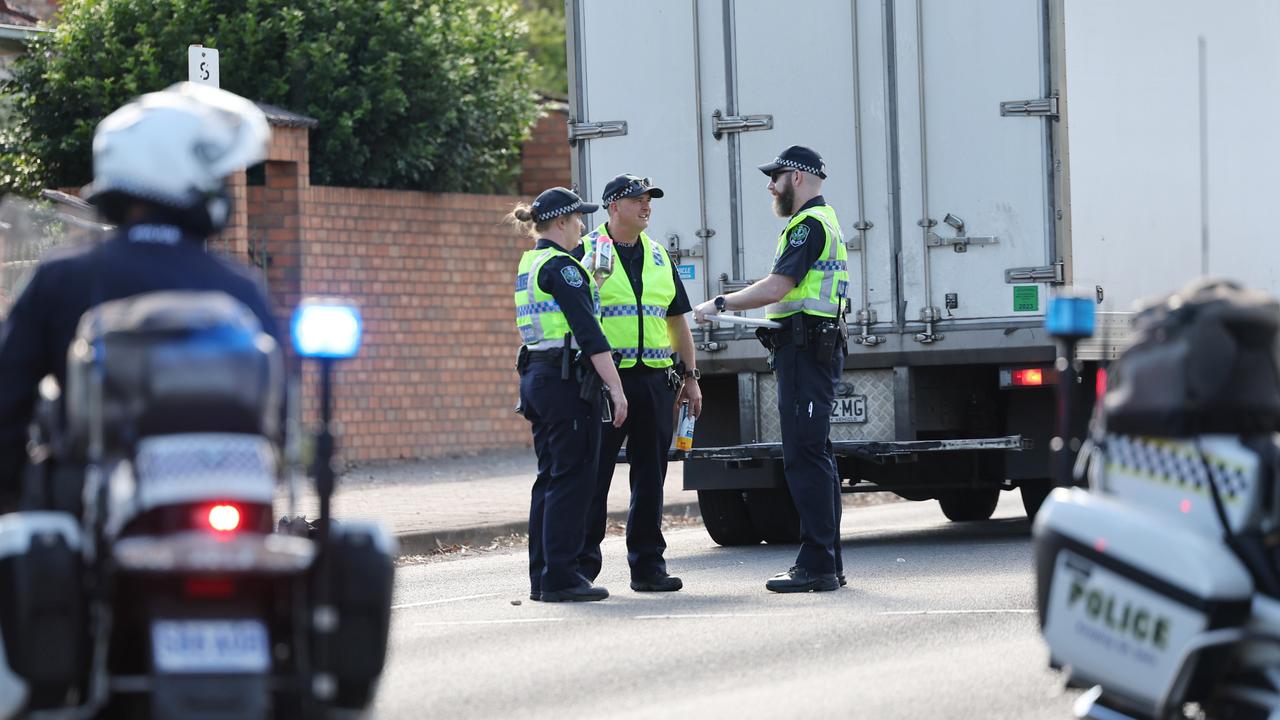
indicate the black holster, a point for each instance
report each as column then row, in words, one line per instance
column 675, row 375
column 589, row 383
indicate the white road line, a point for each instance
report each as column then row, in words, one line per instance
column 441, row 602
column 511, row 621
column 1010, row 611
column 712, row 615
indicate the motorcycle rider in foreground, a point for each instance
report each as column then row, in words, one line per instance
column 160, row 164
column 159, row 169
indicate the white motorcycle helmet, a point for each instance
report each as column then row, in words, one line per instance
column 173, row 149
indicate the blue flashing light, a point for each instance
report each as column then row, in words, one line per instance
column 1070, row 317
column 326, row 329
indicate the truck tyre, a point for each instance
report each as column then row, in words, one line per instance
column 1034, row 493
column 774, row 515
column 969, row 505
column 725, row 514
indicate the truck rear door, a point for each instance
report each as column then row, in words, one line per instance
column 634, row 109
column 974, row 160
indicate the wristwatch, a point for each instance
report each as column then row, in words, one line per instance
column 719, row 303
column 694, row 373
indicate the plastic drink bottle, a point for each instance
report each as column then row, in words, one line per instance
column 602, row 259
column 684, row 439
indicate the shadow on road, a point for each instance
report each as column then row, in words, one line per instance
column 1001, row 530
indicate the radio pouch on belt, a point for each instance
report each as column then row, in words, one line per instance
column 826, row 335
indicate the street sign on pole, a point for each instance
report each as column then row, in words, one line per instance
column 202, row 65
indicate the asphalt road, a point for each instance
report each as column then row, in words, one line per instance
column 937, row 622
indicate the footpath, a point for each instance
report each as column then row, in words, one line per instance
column 430, row 504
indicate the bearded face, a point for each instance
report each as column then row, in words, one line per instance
column 784, row 194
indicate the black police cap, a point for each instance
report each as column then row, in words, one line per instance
column 797, row 157
column 625, row 186
column 560, row 201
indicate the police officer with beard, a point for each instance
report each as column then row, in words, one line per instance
column 805, row 293
column 564, row 360
column 159, row 165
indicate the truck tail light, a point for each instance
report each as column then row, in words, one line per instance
column 1028, row 376
column 1019, row 377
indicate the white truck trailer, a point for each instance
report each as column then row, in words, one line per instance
column 981, row 154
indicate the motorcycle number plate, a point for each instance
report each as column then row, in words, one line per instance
column 210, row 646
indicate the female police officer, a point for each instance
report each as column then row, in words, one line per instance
column 556, row 305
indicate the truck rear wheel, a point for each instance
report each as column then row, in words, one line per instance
column 1034, row 493
column 727, row 518
column 969, row 505
column 773, row 513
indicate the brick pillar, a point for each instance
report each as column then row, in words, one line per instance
column 233, row 241
column 544, row 157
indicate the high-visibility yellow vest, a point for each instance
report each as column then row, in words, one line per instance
column 622, row 315
column 826, row 283
column 541, row 323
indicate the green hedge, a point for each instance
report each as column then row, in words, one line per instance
column 430, row 95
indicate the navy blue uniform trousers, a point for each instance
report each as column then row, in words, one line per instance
column 647, row 431
column 806, row 390
column 566, row 438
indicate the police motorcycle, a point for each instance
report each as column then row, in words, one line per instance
column 144, row 578
column 1158, row 585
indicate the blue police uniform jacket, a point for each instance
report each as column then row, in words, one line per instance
column 42, row 321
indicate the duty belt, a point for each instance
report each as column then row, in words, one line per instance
column 804, row 331
column 546, row 356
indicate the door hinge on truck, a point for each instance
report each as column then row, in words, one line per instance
column 721, row 123
column 1040, row 107
column 593, row 130
column 1054, row 273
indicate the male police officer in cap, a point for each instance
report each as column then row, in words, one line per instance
column 805, row 293
column 642, row 307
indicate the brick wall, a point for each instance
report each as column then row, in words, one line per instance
column 545, row 155
column 433, row 276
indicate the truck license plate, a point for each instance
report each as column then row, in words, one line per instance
column 209, row 646
column 852, row 409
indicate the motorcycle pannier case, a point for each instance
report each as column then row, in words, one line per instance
column 42, row 613
column 1132, row 601
column 360, row 590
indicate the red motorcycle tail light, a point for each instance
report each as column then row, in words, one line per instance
column 224, row 518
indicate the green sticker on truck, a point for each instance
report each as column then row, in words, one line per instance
column 1026, row 298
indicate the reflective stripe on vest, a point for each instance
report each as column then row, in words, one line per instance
column 539, row 319
column 622, row 316
column 826, row 283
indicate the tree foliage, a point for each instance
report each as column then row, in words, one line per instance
column 547, row 46
column 416, row 94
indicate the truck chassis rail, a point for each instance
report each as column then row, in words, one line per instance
column 872, row 450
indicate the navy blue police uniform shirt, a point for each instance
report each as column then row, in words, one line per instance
column 804, row 245
column 43, row 319
column 563, row 279
column 633, row 258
